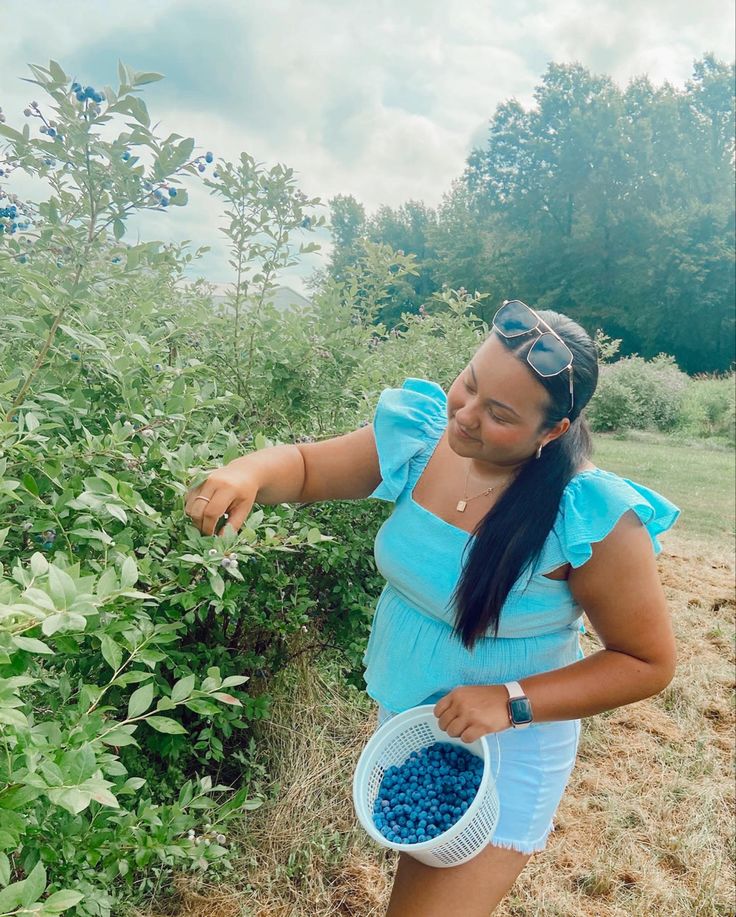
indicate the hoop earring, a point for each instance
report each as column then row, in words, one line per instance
column 539, row 452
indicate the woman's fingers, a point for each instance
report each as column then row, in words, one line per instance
column 217, row 507
column 220, row 495
column 204, row 506
column 237, row 514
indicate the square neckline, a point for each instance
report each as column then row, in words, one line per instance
column 457, row 528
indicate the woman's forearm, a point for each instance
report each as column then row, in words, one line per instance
column 603, row 681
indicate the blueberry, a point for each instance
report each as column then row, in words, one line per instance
column 208, row 157
column 23, row 259
column 80, row 97
column 172, row 192
column 126, row 156
column 201, row 167
column 76, row 87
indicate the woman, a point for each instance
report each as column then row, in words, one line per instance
column 503, row 533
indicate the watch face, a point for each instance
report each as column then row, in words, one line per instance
column 521, row 710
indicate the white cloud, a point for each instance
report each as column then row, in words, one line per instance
column 381, row 100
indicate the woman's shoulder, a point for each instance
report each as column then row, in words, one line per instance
column 593, row 502
column 418, row 407
column 406, row 422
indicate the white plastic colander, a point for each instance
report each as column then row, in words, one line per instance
column 391, row 744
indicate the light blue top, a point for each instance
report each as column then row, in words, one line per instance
column 411, row 653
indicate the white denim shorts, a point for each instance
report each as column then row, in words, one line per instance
column 535, row 766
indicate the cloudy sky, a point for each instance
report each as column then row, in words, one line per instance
column 382, row 100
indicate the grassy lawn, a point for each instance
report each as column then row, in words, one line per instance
column 697, row 478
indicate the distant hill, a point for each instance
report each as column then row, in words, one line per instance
column 283, row 298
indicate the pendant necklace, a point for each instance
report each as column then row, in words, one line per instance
column 466, row 499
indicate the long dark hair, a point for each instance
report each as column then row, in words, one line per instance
column 510, row 537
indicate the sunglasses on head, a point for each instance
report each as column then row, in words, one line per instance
column 549, row 355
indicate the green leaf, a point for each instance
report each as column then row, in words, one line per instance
column 73, row 799
column 4, row 870
column 98, row 790
column 11, row 897
column 141, row 79
column 139, row 111
column 140, row 700
column 31, row 645
column 61, row 901
column 129, row 572
column 183, row 688
column 3, row 534
column 57, row 74
column 78, row 764
column 164, row 724
column 13, row 717
column 39, row 564
column 123, row 74
column 111, row 652
column 217, row 583
column 165, row 703
column 227, row 699
column 29, row 482
column 107, row 583
column 119, row 738
column 93, row 535
column 118, row 229
column 61, row 586
column 117, row 511
column 233, row 680
column 6, row 131
column 34, row 884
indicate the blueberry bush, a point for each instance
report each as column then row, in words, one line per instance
column 134, row 652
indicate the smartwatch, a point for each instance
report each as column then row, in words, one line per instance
column 520, row 707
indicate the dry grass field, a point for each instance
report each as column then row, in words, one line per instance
column 646, row 826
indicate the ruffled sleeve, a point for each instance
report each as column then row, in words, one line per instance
column 406, row 421
column 591, row 505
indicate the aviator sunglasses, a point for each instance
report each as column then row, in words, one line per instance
column 549, row 355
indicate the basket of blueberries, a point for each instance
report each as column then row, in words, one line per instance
column 418, row 790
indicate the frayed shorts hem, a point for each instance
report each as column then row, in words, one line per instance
column 519, row 847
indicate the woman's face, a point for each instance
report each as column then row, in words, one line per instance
column 499, row 403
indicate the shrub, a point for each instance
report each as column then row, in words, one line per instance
column 709, row 407
column 634, row 393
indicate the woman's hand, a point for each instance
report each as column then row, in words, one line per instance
column 230, row 490
column 472, row 711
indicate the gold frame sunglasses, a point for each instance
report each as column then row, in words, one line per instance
column 549, row 355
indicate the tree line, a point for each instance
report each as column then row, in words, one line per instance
column 615, row 206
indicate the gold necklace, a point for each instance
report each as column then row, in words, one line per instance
column 464, row 502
